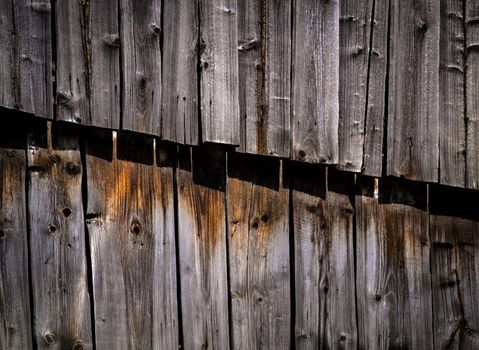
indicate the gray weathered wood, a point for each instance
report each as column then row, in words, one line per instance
column 413, row 110
column 258, row 253
column 202, row 248
column 130, row 221
column 220, row 120
column 140, row 31
column 315, row 84
column 7, row 53
column 354, row 48
column 264, row 49
column 179, row 101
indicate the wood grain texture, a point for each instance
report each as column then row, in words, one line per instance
column 264, row 49
column 393, row 270
column 140, row 29
column 220, row 120
column 354, row 48
column 201, row 180
column 179, row 101
column 7, row 54
column 315, row 84
column 258, row 253
column 130, row 221
column 57, row 240
column 413, row 110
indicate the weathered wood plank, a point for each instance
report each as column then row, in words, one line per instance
column 130, row 220
column 7, row 54
column 354, row 48
column 258, row 253
column 201, row 180
column 264, row 49
column 179, row 100
column 15, row 318
column 393, row 278
column 140, row 29
column 220, row 120
column 315, row 82
column 413, row 110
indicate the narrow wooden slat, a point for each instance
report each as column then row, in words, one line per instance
column 355, row 37
column 315, row 82
column 130, row 221
column 413, row 111
column 258, row 254
column 219, row 72
column 7, row 73
column 140, row 31
column 264, row 48
column 179, row 101
column 57, row 240
column 202, row 248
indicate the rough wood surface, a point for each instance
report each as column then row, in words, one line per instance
column 315, row 84
column 413, row 110
column 140, row 30
column 258, row 253
column 179, row 101
column 57, row 240
column 264, row 48
column 7, row 53
column 220, row 120
column 201, row 180
column 130, row 221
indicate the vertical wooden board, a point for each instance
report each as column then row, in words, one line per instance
column 264, row 50
column 376, row 106
column 57, row 240
column 354, row 48
column 258, row 253
column 140, row 31
column 202, row 248
column 130, row 220
column 7, row 54
column 393, row 270
column 413, row 109
column 220, row 120
column 15, row 319
column 179, row 100
column 315, row 84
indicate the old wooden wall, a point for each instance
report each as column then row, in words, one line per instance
column 117, row 240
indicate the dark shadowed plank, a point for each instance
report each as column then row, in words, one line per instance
column 179, row 101
column 393, row 270
column 315, row 82
column 7, row 64
column 202, row 248
column 220, row 121
column 130, row 221
column 140, row 31
column 355, row 37
column 413, row 115
column 57, row 240
column 264, row 49
column 258, row 253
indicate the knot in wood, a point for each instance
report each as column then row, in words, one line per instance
column 156, row 28
column 66, row 212
column 135, row 228
column 78, row 345
column 378, row 298
column 10, row 154
column 265, row 217
column 112, row 40
column 49, row 339
column 301, row 154
column 342, row 337
column 73, row 168
column 52, row 229
column 55, row 159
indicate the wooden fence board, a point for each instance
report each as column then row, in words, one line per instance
column 219, row 71
column 413, row 110
column 264, row 48
column 202, row 248
column 7, row 73
column 258, row 253
column 179, row 101
column 315, row 82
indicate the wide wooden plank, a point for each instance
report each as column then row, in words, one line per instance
column 140, row 30
column 413, row 110
column 179, row 100
column 315, row 84
column 264, row 48
column 130, row 221
column 393, row 278
column 220, row 120
column 354, row 54
column 201, row 178
column 258, row 253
